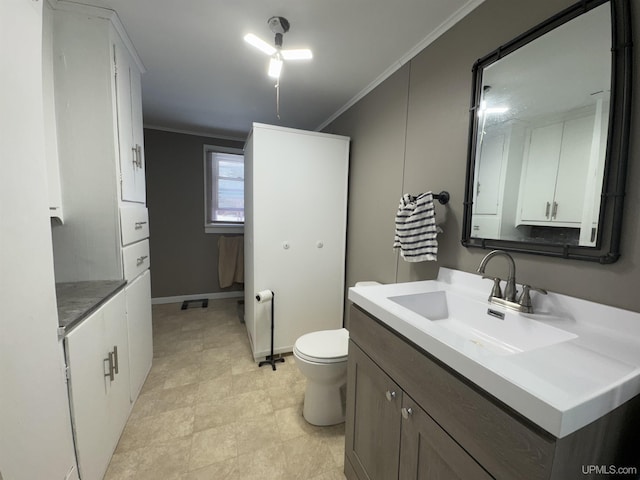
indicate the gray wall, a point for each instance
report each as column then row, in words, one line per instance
column 410, row 135
column 184, row 259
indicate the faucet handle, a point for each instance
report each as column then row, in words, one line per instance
column 496, row 291
column 525, row 298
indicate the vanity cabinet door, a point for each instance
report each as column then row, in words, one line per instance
column 139, row 326
column 427, row 452
column 372, row 436
column 99, row 401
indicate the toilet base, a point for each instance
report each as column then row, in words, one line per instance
column 324, row 405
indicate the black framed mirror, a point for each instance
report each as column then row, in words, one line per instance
column 549, row 133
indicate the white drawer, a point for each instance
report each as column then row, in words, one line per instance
column 134, row 223
column 135, row 259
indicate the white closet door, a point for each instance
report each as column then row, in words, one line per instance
column 299, row 220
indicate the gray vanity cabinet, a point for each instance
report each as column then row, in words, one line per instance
column 389, row 436
column 372, row 437
column 428, row 452
column 409, row 416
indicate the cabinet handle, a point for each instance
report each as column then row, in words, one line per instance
column 554, row 212
column 406, row 412
column 546, row 212
column 139, row 225
column 115, row 359
column 137, row 155
column 110, row 360
column 390, row 395
column 140, row 260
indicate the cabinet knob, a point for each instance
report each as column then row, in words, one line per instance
column 406, row 412
column 390, row 395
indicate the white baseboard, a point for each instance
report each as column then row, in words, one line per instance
column 210, row 296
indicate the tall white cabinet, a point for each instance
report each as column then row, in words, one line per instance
column 295, row 233
column 97, row 78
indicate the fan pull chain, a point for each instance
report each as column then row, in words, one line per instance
column 278, row 98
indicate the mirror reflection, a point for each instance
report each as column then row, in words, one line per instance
column 542, row 125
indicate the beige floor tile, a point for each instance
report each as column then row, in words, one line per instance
column 215, row 388
column 227, row 470
column 291, row 423
column 151, row 462
column 336, row 474
column 212, row 446
column 160, row 401
column 208, row 412
column 307, row 456
column 268, row 463
column 157, row 429
column 255, row 433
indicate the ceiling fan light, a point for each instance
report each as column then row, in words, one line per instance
column 275, row 67
column 260, row 44
column 298, row 54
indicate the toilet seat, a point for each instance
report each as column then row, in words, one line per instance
column 324, row 346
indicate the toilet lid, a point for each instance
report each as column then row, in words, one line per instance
column 324, row 346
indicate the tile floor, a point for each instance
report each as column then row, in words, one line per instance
column 207, row 412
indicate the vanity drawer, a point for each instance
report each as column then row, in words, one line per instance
column 135, row 259
column 134, row 223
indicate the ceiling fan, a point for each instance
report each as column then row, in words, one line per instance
column 279, row 26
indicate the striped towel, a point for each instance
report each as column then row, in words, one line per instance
column 416, row 228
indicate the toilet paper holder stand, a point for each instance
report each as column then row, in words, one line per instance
column 261, row 297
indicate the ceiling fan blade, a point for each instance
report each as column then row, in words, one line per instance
column 298, row 54
column 260, row 44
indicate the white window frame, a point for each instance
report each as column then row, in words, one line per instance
column 216, row 227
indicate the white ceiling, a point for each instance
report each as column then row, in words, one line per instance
column 203, row 78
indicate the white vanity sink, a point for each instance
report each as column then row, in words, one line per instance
column 563, row 367
column 499, row 331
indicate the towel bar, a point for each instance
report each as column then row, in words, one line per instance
column 442, row 197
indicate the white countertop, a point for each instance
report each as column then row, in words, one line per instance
column 560, row 387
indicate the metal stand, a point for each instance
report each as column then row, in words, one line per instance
column 270, row 360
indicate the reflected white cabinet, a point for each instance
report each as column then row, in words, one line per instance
column 97, row 354
column 554, row 175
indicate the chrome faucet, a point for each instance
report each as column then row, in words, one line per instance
column 510, row 290
column 523, row 304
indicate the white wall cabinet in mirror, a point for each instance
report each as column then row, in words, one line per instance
column 549, row 132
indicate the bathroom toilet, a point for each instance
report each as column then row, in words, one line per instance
column 322, row 358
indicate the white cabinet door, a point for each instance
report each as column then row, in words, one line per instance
column 572, row 170
column 555, row 176
column 538, row 184
column 129, row 103
column 140, row 331
column 99, row 403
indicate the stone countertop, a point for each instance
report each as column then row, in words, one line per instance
column 77, row 300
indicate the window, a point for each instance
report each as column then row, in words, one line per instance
column 224, row 188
